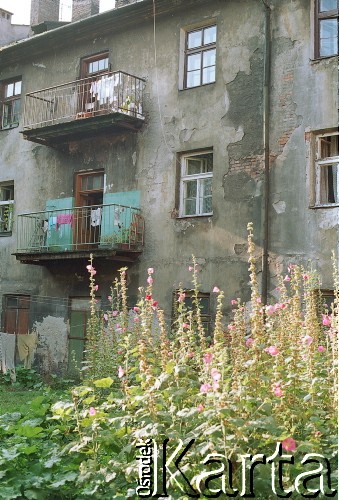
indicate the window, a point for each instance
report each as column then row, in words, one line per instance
column 11, row 101
column 196, row 184
column 200, row 56
column 6, row 207
column 327, row 169
column 326, row 28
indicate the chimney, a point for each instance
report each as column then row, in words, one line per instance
column 44, row 10
column 84, row 8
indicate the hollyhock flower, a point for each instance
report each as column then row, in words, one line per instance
column 136, row 319
column 106, row 317
column 92, row 411
column 190, row 354
column 96, row 288
column 215, row 374
column 305, row 277
column 109, row 298
column 115, row 313
column 121, row 372
column 207, row 357
column 148, row 297
column 307, row 339
column 231, row 327
column 200, row 408
column 290, row 267
column 249, row 342
column 287, row 278
column 91, row 269
column 272, row 350
column 234, row 302
column 205, row 388
column 216, row 289
column 185, row 325
column 289, row 444
column 181, row 296
column 259, row 300
column 150, row 270
column 278, row 391
column 136, row 309
column 215, row 386
column 155, row 303
column 326, row 320
column 321, row 348
column 190, row 268
column 150, row 280
column 270, row 310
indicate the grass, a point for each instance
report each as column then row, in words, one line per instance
column 13, row 399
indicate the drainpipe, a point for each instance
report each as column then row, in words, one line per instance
column 266, row 136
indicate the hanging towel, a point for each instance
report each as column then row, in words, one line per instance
column 27, row 345
column 96, row 217
column 64, row 219
column 7, row 351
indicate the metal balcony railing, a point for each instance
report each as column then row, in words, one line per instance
column 80, row 228
column 107, row 93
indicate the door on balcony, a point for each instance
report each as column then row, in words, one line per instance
column 89, row 190
column 91, row 92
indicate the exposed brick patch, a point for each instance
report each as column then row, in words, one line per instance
column 251, row 165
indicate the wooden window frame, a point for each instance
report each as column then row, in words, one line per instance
column 199, row 50
column 85, row 61
column 9, row 100
column 319, row 16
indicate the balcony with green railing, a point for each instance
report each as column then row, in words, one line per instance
column 111, row 102
column 111, row 231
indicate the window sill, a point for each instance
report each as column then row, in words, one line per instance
column 197, row 86
column 5, row 234
column 195, row 216
column 319, row 59
column 9, row 128
column 328, row 205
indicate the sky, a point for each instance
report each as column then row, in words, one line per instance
column 21, row 9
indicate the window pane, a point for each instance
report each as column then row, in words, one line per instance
column 193, row 166
column 208, row 75
column 193, row 62
column 16, row 111
column 190, row 197
column 194, row 39
column 209, row 58
column 327, row 5
column 328, row 47
column 206, row 196
column 329, row 184
column 17, row 89
column 10, row 90
column 103, row 64
column 193, row 79
column 210, row 35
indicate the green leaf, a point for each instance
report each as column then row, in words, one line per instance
column 103, row 382
column 28, row 431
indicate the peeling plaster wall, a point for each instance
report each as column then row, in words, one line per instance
column 226, row 116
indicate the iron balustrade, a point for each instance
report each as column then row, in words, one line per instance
column 80, row 228
column 103, row 94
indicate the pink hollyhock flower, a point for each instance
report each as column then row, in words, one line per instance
column 190, row 354
column 231, row 327
column 215, row 386
column 185, row 325
column 290, row 267
column 115, row 313
column 207, row 357
column 216, row 289
column 278, row 391
column 96, row 288
column 121, row 372
column 234, row 302
column 287, row 278
column 205, row 388
column 215, row 374
column 106, row 317
column 249, row 342
column 150, row 280
column 92, row 411
column 270, row 310
column 259, row 300
column 136, row 319
column 109, row 298
column 305, row 277
column 321, row 348
column 91, row 269
column 200, row 408
column 190, row 268
column 289, row 444
column 148, row 297
column 150, row 270
column 136, row 309
column 155, row 303
column 307, row 339
column 272, row 350
column 181, row 296
column 326, row 320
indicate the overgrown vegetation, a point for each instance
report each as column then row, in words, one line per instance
column 269, row 377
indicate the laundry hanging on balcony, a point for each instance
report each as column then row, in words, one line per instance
column 64, row 219
column 96, row 217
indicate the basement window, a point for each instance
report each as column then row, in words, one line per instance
column 10, row 103
column 327, row 169
column 6, row 208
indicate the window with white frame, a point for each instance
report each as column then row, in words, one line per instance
column 196, row 184
column 327, row 168
column 11, row 103
column 200, row 56
column 6, row 207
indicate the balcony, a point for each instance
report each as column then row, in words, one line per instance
column 110, row 102
column 111, row 231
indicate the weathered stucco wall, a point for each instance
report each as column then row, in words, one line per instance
column 226, row 116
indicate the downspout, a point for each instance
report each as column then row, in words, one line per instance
column 266, row 144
